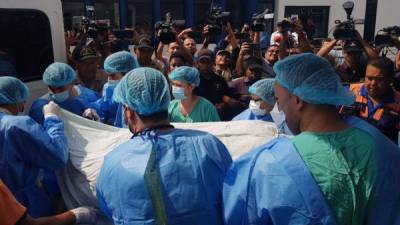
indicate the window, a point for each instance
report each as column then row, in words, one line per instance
column 26, row 42
column 315, row 19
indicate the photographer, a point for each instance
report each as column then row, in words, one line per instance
column 173, row 47
column 214, row 88
column 144, row 51
column 352, row 70
column 224, row 58
column 293, row 42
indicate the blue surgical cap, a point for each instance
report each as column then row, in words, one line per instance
column 58, row 75
column 12, row 91
column 188, row 74
column 144, row 90
column 312, row 79
column 265, row 90
column 120, row 62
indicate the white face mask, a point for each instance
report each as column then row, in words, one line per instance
column 279, row 119
column 255, row 108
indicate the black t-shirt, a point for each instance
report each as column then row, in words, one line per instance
column 213, row 88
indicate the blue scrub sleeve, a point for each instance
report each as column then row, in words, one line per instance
column 45, row 147
column 102, row 203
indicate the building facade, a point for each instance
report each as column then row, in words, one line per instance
column 323, row 13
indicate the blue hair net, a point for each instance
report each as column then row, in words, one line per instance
column 188, row 74
column 12, row 91
column 312, row 79
column 120, row 62
column 58, row 75
column 265, row 90
column 144, row 90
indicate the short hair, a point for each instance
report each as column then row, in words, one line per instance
column 383, row 64
column 178, row 55
column 156, row 117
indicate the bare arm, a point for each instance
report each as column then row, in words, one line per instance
column 239, row 63
column 326, row 48
column 159, row 52
column 231, row 37
column 283, row 47
column 256, row 38
column 369, row 50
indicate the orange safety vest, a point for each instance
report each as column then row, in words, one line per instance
column 363, row 101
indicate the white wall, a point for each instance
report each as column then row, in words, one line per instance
column 336, row 11
column 387, row 14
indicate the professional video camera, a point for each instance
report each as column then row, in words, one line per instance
column 216, row 20
column 346, row 30
column 90, row 25
column 258, row 24
column 387, row 35
column 166, row 28
column 243, row 37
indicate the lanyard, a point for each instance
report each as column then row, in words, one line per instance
column 152, row 178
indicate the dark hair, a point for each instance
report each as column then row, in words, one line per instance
column 383, row 64
column 179, row 55
column 157, row 117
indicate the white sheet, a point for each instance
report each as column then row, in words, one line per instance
column 90, row 141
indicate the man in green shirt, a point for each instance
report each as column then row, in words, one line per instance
column 334, row 171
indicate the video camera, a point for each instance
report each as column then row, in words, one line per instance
column 386, row 36
column 258, row 23
column 216, row 20
column 90, row 25
column 166, row 28
column 346, row 30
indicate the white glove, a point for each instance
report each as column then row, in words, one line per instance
column 91, row 114
column 51, row 109
column 85, row 215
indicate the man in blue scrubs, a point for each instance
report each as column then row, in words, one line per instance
column 334, row 171
column 162, row 175
column 26, row 147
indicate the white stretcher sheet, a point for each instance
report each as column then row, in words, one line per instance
column 90, row 141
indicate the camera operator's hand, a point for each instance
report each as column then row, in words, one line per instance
column 245, row 48
column 326, row 48
column 184, row 34
column 205, row 31
column 298, row 27
column 231, row 36
column 369, row 50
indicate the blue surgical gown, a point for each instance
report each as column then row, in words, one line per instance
column 106, row 108
column 119, row 117
column 73, row 105
column 87, row 96
column 192, row 168
column 272, row 185
column 249, row 115
column 26, row 147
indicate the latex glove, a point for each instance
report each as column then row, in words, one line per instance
column 85, row 215
column 91, row 114
column 51, row 109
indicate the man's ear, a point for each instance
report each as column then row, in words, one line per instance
column 299, row 103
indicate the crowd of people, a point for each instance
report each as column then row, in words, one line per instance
column 337, row 162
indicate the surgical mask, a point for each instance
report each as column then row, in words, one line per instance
column 59, row 97
column 279, row 118
column 113, row 83
column 178, row 93
column 255, row 108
